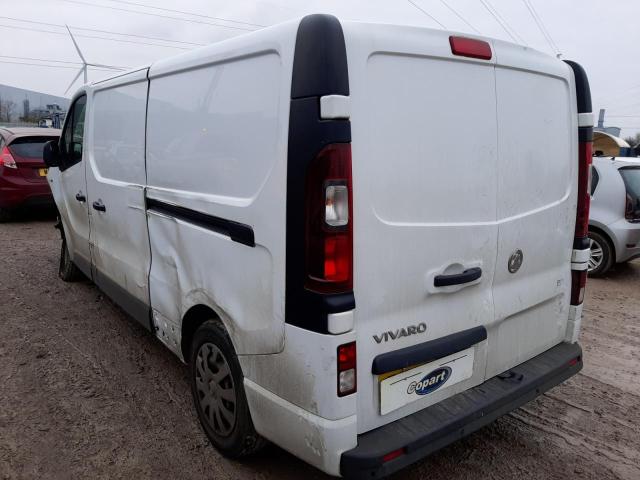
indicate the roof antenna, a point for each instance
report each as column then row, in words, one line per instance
column 85, row 65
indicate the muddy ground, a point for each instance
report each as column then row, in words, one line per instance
column 86, row 393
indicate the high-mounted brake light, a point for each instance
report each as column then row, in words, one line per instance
column 470, row 47
column 329, row 221
column 347, row 378
column 6, row 159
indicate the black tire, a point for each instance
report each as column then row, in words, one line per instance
column 6, row 215
column 67, row 270
column 241, row 439
column 601, row 259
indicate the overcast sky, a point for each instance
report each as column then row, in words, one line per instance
column 603, row 36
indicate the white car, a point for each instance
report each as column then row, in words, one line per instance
column 345, row 229
column 614, row 221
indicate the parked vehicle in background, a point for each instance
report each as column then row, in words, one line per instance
column 23, row 180
column 614, row 223
column 339, row 227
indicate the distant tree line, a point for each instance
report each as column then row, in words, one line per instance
column 633, row 140
column 7, row 110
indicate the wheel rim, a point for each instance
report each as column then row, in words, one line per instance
column 597, row 255
column 216, row 390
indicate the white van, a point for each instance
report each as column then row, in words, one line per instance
column 367, row 241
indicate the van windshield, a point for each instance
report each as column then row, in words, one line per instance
column 631, row 177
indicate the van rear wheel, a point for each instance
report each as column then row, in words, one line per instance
column 218, row 393
column 601, row 258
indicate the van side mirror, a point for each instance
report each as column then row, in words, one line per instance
column 51, row 154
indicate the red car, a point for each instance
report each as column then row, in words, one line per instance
column 23, row 174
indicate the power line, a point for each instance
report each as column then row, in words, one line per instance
column 101, row 31
column 459, row 16
column 502, row 22
column 54, row 61
column 53, row 66
column 40, row 59
column 233, row 27
column 186, row 13
column 92, row 36
column 426, row 13
column 538, row 21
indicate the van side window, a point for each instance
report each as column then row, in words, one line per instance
column 72, row 138
column 595, row 178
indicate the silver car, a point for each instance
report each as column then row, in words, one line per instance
column 614, row 222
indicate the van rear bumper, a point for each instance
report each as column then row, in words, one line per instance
column 433, row 428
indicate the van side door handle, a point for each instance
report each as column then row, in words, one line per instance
column 80, row 197
column 469, row 275
column 99, row 206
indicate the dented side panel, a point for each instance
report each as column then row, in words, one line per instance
column 216, row 175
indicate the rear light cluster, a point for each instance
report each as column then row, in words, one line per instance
column 347, row 378
column 629, row 209
column 581, row 240
column 329, row 221
column 6, row 159
column 584, row 189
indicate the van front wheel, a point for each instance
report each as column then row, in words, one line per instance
column 67, row 270
column 218, row 393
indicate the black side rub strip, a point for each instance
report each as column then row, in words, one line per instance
column 428, row 351
column 238, row 232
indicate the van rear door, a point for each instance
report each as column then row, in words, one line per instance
column 536, row 209
column 425, row 161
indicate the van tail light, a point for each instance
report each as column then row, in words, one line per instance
column 584, row 184
column 329, row 221
column 347, row 378
column 6, row 159
column 581, row 238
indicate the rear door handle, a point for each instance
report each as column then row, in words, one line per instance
column 99, row 206
column 80, row 197
column 469, row 275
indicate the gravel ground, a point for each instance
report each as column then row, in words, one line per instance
column 86, row 393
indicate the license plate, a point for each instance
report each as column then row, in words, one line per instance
column 417, row 383
column 43, row 172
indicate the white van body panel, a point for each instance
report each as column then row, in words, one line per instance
column 211, row 121
column 419, row 192
column 444, row 174
column 115, row 163
column 537, row 198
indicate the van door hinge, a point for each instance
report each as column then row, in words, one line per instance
column 334, row 107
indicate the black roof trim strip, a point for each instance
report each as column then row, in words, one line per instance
column 320, row 61
column 583, row 92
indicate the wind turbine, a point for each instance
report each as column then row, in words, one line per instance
column 85, row 65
